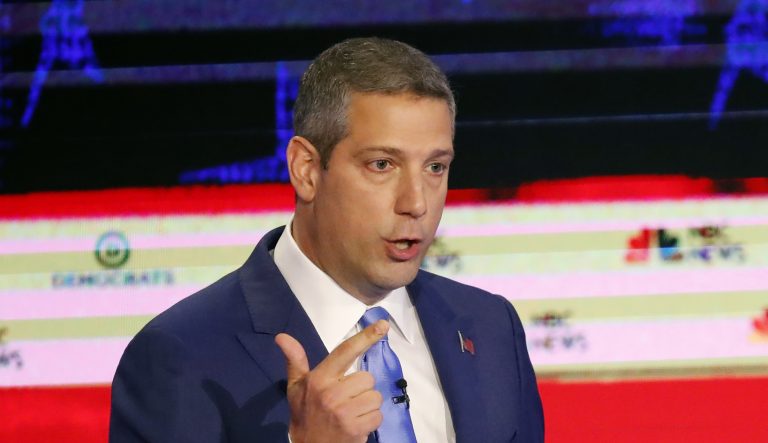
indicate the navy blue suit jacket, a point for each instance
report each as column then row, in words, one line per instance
column 208, row 370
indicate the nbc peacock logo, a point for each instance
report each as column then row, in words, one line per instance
column 760, row 327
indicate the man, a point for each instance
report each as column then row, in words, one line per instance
column 246, row 359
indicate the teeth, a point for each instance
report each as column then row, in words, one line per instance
column 402, row 245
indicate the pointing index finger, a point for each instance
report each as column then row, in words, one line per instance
column 341, row 358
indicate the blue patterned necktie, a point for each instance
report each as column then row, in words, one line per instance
column 382, row 362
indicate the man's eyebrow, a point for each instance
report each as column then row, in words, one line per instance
column 396, row 152
column 385, row 149
column 442, row 153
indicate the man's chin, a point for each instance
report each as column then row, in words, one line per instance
column 402, row 274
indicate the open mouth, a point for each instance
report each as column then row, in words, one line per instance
column 403, row 249
column 402, row 245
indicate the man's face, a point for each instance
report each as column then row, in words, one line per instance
column 379, row 201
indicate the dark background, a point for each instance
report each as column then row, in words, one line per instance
column 582, row 101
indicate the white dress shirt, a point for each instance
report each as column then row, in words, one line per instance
column 335, row 314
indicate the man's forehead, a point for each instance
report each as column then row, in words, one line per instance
column 386, row 108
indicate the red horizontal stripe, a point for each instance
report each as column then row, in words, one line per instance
column 148, row 201
column 705, row 410
column 641, row 187
column 272, row 197
column 62, row 415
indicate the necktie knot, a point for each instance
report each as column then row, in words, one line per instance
column 373, row 315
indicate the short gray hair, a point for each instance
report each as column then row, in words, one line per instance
column 364, row 65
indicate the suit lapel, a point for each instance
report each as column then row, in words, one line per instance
column 274, row 309
column 457, row 370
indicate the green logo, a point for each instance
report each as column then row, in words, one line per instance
column 112, row 249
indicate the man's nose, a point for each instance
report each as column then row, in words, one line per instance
column 411, row 199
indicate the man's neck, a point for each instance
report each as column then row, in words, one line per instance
column 301, row 235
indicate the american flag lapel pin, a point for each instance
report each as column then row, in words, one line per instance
column 466, row 344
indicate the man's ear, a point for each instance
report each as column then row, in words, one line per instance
column 303, row 167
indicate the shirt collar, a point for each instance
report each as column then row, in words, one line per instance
column 332, row 310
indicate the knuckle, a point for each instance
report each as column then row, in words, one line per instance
column 344, row 347
column 353, row 429
column 328, row 401
column 377, row 418
column 371, row 336
column 378, row 397
column 367, row 379
column 312, row 383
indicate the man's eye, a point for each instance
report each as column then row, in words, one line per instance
column 436, row 168
column 381, row 165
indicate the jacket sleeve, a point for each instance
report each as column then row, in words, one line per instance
column 532, row 415
column 156, row 396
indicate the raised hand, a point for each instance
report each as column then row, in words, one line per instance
column 326, row 405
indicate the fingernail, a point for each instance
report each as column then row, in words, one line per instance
column 380, row 327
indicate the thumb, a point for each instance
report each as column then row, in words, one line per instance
column 297, row 365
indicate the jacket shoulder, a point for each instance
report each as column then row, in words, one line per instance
column 208, row 310
column 459, row 292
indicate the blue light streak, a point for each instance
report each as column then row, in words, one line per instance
column 659, row 22
column 285, row 96
column 667, row 31
column 266, row 169
column 6, row 104
column 65, row 39
column 747, row 49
